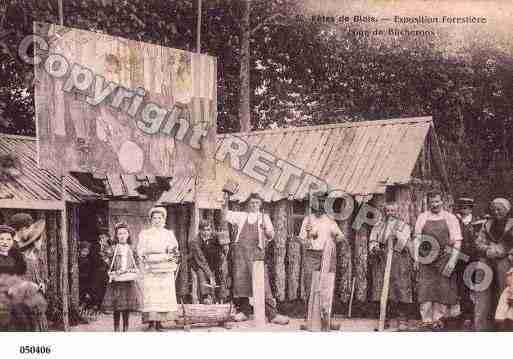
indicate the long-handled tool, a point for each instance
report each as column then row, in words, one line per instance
column 350, row 309
column 258, row 278
column 386, row 281
column 223, row 237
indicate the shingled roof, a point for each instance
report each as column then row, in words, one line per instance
column 35, row 184
column 360, row 158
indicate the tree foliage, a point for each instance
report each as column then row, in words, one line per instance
column 305, row 73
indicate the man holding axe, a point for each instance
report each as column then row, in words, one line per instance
column 319, row 232
column 391, row 249
column 254, row 230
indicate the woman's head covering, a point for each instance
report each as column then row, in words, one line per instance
column 7, row 229
column 158, row 209
column 502, row 202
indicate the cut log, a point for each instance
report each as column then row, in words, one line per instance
column 53, row 259
column 315, row 304
column 293, row 269
column 258, row 279
column 73, row 255
column 344, row 264
column 280, row 243
column 64, row 270
column 321, row 293
column 360, row 263
column 386, row 286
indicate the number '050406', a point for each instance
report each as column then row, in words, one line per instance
column 35, row 349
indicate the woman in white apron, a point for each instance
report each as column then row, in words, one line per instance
column 158, row 250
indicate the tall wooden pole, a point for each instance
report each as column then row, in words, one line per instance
column 195, row 208
column 198, row 29
column 61, row 12
column 64, row 278
column 245, row 89
column 386, row 281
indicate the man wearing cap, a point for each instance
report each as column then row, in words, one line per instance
column 464, row 207
column 21, row 303
column 254, row 230
column 494, row 245
column 28, row 238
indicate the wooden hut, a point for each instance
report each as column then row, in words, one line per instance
column 373, row 161
column 27, row 188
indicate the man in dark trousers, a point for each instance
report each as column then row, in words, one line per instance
column 254, row 230
column 205, row 254
column 464, row 207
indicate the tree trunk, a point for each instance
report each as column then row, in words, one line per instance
column 244, row 100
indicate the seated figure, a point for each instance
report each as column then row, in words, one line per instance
column 205, row 258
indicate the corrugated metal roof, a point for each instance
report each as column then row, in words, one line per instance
column 360, row 158
column 35, row 184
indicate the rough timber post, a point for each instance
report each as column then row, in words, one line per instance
column 280, row 212
column 64, row 260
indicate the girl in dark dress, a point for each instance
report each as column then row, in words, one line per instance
column 122, row 297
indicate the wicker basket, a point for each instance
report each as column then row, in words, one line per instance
column 124, row 277
column 205, row 313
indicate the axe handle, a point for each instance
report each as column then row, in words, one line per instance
column 350, row 311
column 386, row 283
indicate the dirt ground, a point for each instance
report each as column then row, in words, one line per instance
column 104, row 323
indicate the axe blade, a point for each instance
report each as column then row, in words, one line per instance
column 231, row 187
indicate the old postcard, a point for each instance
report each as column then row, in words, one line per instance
column 257, row 165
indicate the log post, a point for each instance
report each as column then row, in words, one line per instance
column 73, row 245
column 64, row 277
column 182, row 231
column 360, row 262
column 294, row 270
column 280, row 214
column 53, row 261
column 344, row 263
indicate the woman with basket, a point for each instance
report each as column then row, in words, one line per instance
column 122, row 295
column 158, row 250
